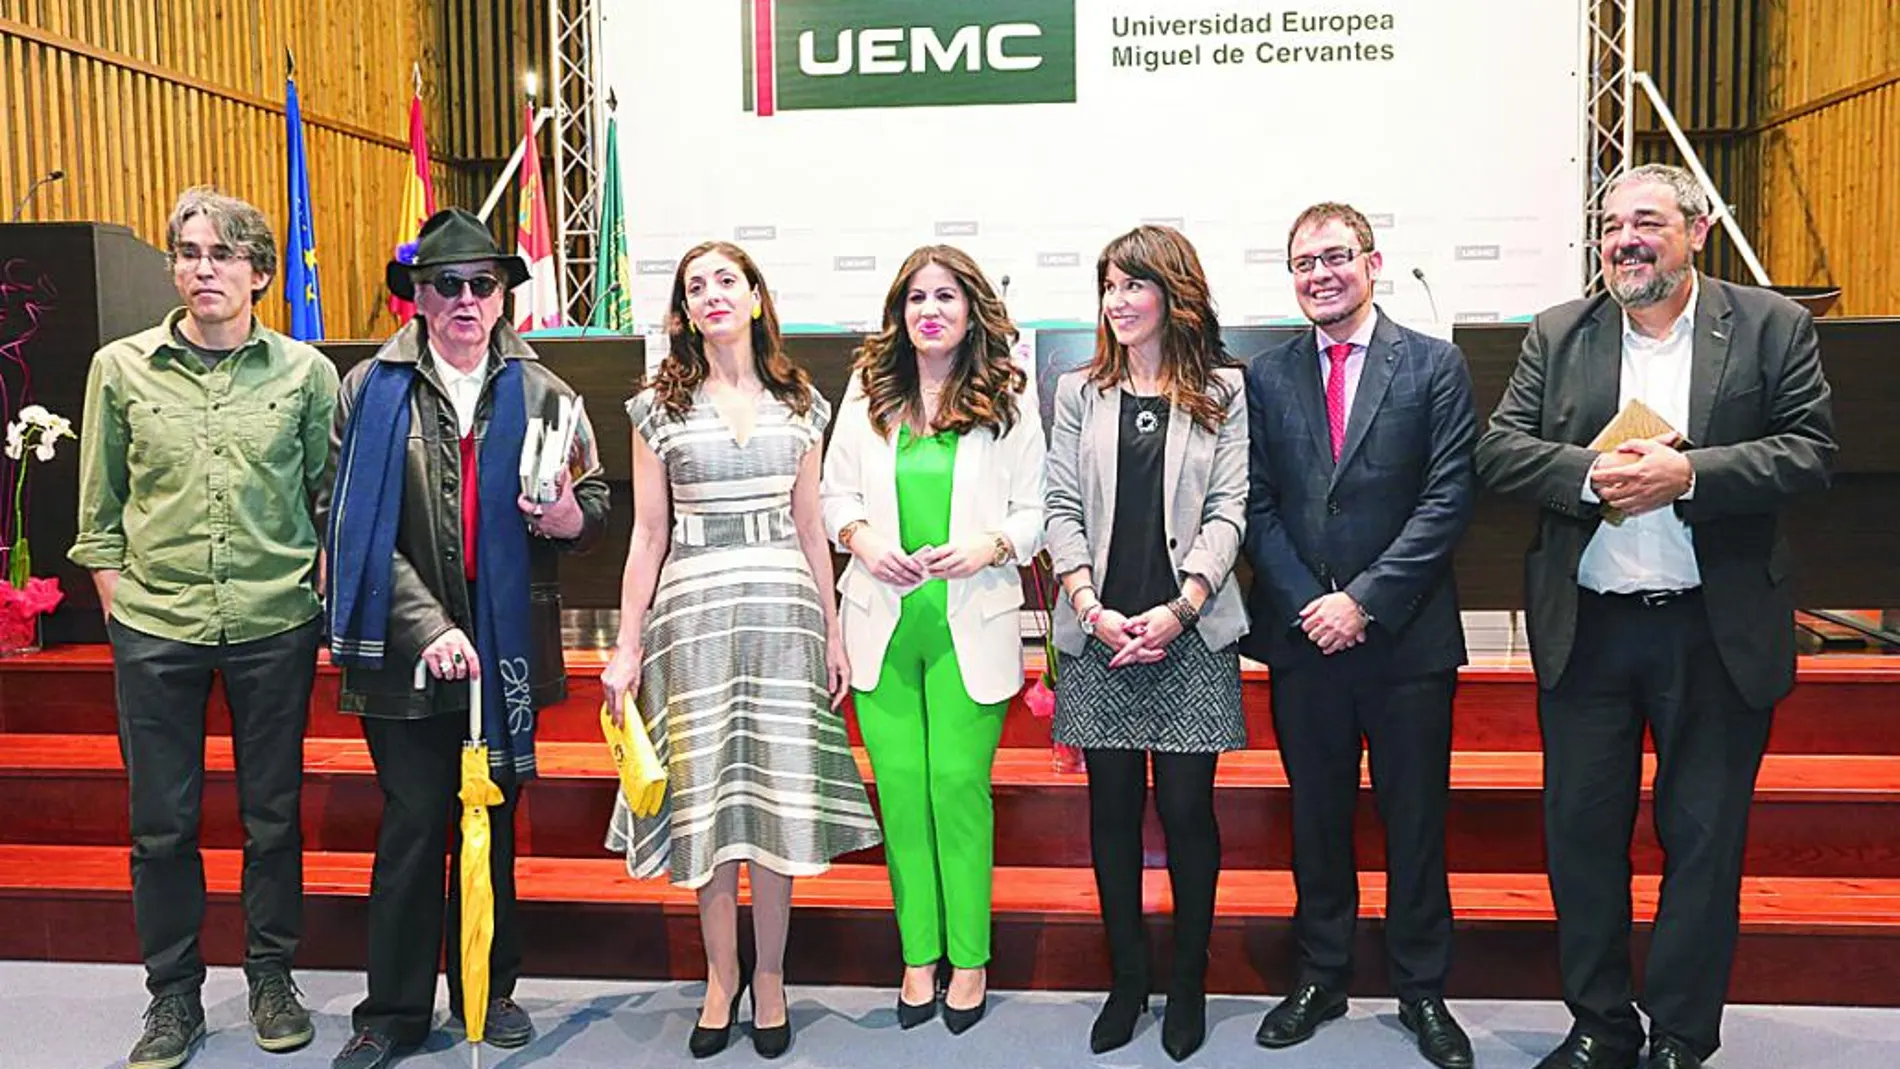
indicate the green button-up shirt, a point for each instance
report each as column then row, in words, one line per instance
column 196, row 485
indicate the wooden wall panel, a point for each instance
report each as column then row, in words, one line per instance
column 137, row 100
column 1828, row 142
column 1699, row 54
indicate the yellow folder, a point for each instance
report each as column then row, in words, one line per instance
column 642, row 777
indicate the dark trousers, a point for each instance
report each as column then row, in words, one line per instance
column 163, row 687
column 414, row 895
column 1184, row 797
column 1634, row 666
column 1321, row 714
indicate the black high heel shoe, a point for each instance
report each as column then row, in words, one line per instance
column 1184, row 1023
column 1115, row 1025
column 909, row 1014
column 960, row 1021
column 776, row 1040
column 706, row 1042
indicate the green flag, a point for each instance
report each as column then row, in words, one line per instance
column 613, row 279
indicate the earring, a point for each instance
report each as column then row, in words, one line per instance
column 692, row 327
column 758, row 311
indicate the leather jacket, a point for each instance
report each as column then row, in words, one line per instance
column 430, row 594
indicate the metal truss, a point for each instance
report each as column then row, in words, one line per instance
column 1609, row 126
column 578, row 97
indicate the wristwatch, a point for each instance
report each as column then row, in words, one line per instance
column 1003, row 551
column 1087, row 619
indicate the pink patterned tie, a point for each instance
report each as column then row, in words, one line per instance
column 1337, row 355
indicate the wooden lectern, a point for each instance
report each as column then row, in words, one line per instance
column 65, row 290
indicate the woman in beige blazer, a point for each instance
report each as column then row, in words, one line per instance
column 933, row 484
column 1146, row 506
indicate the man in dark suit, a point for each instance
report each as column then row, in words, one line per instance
column 1675, row 614
column 1361, row 484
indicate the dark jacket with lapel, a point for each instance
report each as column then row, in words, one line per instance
column 1382, row 523
column 429, row 594
column 1761, row 429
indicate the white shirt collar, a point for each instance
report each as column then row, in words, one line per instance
column 1361, row 338
column 1684, row 322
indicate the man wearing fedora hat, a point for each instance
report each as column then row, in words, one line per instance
column 442, row 578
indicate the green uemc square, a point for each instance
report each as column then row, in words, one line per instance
column 913, row 53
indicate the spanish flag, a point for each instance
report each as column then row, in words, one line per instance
column 418, row 199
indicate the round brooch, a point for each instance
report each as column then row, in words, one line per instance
column 1147, row 422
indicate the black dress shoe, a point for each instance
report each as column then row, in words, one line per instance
column 509, row 1026
column 776, row 1040
column 706, row 1042
column 1184, row 1024
column 1579, row 1051
column 1668, row 1052
column 1440, row 1040
column 370, row 1049
column 1115, row 1025
column 1298, row 1015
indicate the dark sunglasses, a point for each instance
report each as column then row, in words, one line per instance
column 450, row 286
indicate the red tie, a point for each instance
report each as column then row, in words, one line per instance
column 1336, row 394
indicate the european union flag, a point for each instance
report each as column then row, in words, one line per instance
column 300, row 257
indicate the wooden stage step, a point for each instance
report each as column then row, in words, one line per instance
column 1814, row 815
column 1843, row 704
column 1806, row 940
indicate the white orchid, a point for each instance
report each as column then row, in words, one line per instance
column 38, row 430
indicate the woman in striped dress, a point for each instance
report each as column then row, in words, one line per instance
column 727, row 645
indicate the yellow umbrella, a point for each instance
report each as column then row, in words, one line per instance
column 478, row 890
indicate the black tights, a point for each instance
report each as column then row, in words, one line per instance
column 1184, row 796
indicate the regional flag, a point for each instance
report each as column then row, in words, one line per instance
column 613, row 279
column 537, row 301
column 300, row 258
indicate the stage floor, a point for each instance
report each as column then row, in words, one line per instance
column 593, row 1025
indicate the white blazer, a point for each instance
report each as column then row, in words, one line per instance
column 996, row 485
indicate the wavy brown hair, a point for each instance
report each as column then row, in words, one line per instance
column 984, row 379
column 685, row 365
column 1191, row 346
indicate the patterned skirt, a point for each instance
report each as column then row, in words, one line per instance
column 733, row 694
column 1188, row 702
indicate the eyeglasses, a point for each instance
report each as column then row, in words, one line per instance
column 1334, row 258
column 221, row 255
column 450, row 286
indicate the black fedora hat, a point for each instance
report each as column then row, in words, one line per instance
column 451, row 236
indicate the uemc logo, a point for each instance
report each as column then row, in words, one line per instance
column 805, row 55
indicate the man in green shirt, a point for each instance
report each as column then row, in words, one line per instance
column 202, row 449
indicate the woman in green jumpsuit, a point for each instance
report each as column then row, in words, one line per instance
column 933, row 484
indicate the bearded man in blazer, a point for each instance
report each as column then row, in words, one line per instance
column 1360, row 486
column 1673, row 614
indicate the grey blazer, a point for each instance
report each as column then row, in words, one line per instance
column 1205, row 476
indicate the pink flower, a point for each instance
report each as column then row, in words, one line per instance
column 1040, row 699
column 41, row 595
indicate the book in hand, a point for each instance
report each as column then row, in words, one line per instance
column 547, row 448
column 1636, row 420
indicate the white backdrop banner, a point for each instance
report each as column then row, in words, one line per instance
column 831, row 137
